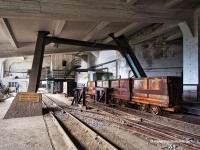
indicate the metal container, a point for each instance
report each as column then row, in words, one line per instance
column 91, row 87
column 99, row 83
column 55, row 86
column 120, row 89
column 106, row 84
column 157, row 91
column 68, row 88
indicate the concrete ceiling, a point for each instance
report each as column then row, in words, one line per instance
column 82, row 19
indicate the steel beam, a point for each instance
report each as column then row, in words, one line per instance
column 37, row 62
column 49, row 40
column 43, row 40
column 129, row 56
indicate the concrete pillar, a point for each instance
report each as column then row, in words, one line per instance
column 190, row 60
column 57, row 60
column 95, row 53
column 1, row 68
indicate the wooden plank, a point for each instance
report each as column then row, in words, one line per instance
column 7, row 30
column 65, row 137
column 86, row 10
column 93, row 134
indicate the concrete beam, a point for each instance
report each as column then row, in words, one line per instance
column 133, row 27
column 131, row 2
column 95, row 53
column 185, row 29
column 151, row 32
column 100, row 26
column 172, row 3
column 7, row 30
column 27, row 49
column 174, row 36
column 87, row 10
column 190, row 20
column 59, row 27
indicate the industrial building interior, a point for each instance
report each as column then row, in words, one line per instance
column 90, row 74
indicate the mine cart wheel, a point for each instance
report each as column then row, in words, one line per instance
column 155, row 110
column 144, row 107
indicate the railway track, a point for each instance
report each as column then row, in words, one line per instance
column 76, row 134
column 154, row 131
column 163, row 132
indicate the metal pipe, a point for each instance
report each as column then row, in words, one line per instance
column 129, row 72
column 116, row 69
column 103, row 63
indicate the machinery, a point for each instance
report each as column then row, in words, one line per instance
column 153, row 94
column 68, row 88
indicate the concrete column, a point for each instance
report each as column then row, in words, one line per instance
column 57, row 60
column 37, row 63
column 190, row 60
column 2, row 68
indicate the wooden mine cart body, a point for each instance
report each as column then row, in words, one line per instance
column 165, row 92
column 120, row 89
column 103, row 83
column 91, row 88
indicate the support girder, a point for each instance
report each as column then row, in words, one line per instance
column 43, row 40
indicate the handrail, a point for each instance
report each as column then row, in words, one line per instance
column 75, row 63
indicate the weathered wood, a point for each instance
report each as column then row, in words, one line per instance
column 92, row 133
column 23, row 109
column 7, row 30
column 65, row 137
column 86, row 10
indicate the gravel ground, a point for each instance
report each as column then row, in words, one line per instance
column 118, row 136
column 84, row 137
